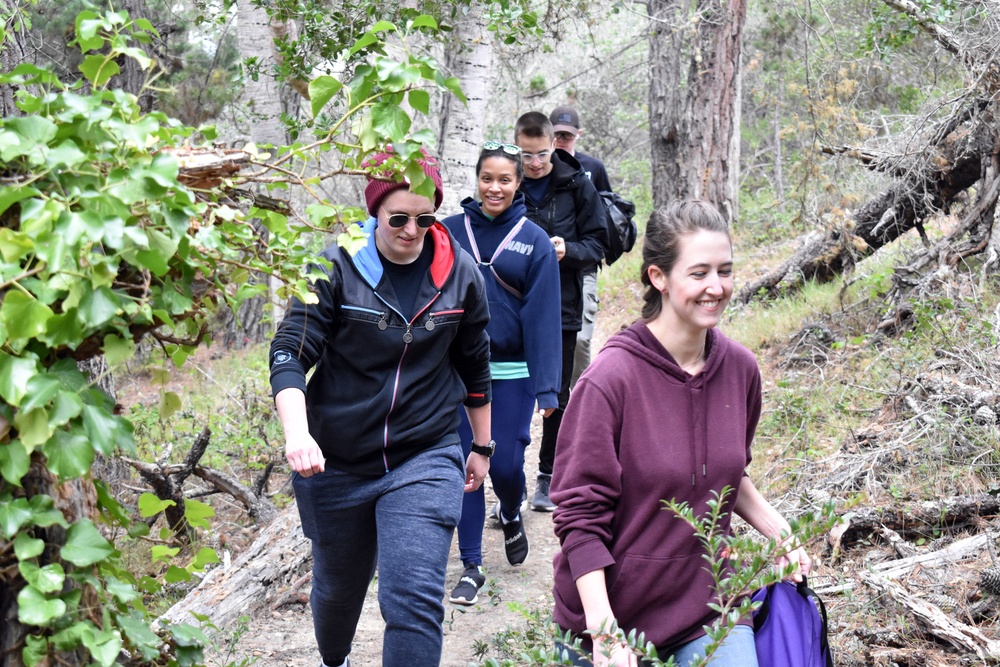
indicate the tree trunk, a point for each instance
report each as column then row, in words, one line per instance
column 77, row 500
column 12, row 53
column 461, row 133
column 262, row 100
column 694, row 100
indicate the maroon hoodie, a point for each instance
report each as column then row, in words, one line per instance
column 638, row 429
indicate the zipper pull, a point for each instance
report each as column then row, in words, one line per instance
column 430, row 323
column 382, row 324
column 408, row 337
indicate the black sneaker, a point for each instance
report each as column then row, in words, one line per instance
column 495, row 510
column 467, row 591
column 540, row 501
column 515, row 542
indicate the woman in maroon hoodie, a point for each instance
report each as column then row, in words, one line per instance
column 668, row 410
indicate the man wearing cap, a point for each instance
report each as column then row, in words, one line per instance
column 566, row 128
column 397, row 338
column 561, row 200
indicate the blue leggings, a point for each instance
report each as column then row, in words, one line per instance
column 736, row 650
column 512, row 408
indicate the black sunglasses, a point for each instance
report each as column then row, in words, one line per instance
column 424, row 220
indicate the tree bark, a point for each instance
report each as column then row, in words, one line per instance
column 461, row 129
column 694, row 100
column 12, row 53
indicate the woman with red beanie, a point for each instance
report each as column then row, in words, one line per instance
column 397, row 337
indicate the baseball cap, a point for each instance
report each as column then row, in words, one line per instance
column 564, row 119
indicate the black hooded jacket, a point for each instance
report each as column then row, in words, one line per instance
column 571, row 209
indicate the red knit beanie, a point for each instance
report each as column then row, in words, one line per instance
column 376, row 190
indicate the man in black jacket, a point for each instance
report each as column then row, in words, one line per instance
column 562, row 201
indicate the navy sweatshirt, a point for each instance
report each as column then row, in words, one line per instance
column 526, row 327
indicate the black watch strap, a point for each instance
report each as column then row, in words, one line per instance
column 486, row 450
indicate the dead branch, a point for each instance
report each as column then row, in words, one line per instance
column 258, row 507
column 917, row 519
column 961, row 636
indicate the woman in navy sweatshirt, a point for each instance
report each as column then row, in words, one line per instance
column 667, row 411
column 521, row 272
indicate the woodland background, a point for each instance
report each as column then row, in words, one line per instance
column 167, row 169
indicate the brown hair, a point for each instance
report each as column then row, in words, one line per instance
column 533, row 124
column 662, row 242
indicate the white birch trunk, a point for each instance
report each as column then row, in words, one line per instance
column 470, row 58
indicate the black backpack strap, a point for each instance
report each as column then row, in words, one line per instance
column 806, row 592
column 760, row 616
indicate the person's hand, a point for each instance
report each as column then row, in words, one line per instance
column 304, row 455
column 799, row 557
column 609, row 651
column 560, row 245
column 545, row 412
column 476, row 469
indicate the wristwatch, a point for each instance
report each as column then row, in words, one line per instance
column 486, row 450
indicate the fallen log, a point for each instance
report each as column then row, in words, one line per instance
column 918, row 519
column 258, row 578
column 963, row 637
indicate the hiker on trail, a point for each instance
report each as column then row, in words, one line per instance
column 566, row 131
column 667, row 411
column 562, row 201
column 398, row 341
column 519, row 265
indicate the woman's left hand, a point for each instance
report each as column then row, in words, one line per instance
column 799, row 557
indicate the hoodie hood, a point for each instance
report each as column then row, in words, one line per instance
column 370, row 266
column 641, row 342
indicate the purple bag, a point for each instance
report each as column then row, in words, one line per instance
column 789, row 629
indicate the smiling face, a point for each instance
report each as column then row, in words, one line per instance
column 402, row 245
column 536, row 153
column 700, row 283
column 498, row 182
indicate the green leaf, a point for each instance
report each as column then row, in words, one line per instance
column 161, row 552
column 420, row 100
column 32, row 130
column 139, row 634
column 98, row 307
column 35, row 651
column 85, row 545
column 34, row 609
column 367, row 39
column 390, row 121
column 150, row 505
column 24, row 315
column 383, row 26
column 424, row 21
column 48, row 579
column 66, row 154
column 118, row 350
column 99, row 69
column 14, row 375
column 169, row 404
column 33, row 427
column 104, row 645
column 14, row 245
column 103, row 429
column 87, row 25
column 14, row 462
column 45, row 514
column 69, row 454
column 455, row 86
column 197, row 513
column 12, row 194
column 13, row 515
column 206, row 556
column 66, row 406
column 321, row 91
column 27, row 547
column 176, row 574
column 42, row 389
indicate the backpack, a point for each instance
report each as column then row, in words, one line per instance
column 622, row 232
column 789, row 629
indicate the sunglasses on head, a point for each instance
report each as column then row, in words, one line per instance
column 397, row 220
column 509, row 149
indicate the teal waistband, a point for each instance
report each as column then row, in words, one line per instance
column 509, row 370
